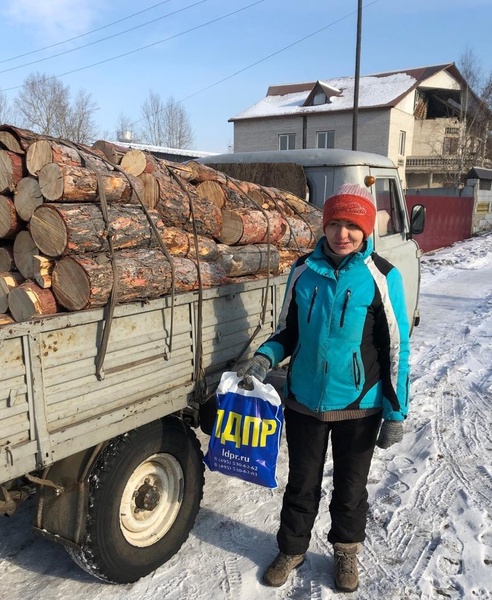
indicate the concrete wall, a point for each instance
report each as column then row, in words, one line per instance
column 482, row 217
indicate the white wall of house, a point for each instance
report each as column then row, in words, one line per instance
column 340, row 123
column 400, row 121
column 262, row 134
column 441, row 80
column 428, row 137
column 407, row 104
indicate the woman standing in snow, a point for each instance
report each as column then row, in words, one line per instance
column 345, row 328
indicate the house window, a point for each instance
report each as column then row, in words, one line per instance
column 450, row 146
column 452, row 131
column 485, row 184
column 402, row 142
column 287, row 141
column 320, row 98
column 325, row 139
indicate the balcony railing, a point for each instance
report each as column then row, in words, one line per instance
column 426, row 163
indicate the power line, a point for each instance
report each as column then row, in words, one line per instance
column 265, row 58
column 101, row 62
column 84, row 34
column 109, row 37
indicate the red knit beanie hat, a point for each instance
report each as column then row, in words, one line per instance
column 351, row 203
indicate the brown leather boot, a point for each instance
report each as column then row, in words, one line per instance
column 346, row 571
column 278, row 572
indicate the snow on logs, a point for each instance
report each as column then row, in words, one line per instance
column 71, row 214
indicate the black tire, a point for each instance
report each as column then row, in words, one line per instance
column 145, row 491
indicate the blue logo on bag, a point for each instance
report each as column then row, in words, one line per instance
column 247, row 432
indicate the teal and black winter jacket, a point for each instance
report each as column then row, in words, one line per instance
column 346, row 332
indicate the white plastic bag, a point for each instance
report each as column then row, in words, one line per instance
column 245, row 440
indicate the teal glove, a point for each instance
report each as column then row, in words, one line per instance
column 257, row 367
column 391, row 432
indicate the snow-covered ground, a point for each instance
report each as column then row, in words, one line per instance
column 430, row 522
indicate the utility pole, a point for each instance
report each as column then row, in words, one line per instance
column 355, row 115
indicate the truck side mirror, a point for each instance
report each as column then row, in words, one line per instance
column 417, row 219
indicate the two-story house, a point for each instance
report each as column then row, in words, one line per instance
column 424, row 119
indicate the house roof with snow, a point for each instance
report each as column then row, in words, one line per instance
column 333, row 95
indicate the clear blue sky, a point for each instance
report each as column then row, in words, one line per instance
column 236, row 57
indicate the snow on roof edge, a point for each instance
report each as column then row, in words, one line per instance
column 163, row 149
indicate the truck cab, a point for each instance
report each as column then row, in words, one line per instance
column 320, row 172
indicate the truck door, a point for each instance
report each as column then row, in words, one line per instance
column 391, row 239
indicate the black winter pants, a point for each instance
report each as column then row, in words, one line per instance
column 353, row 443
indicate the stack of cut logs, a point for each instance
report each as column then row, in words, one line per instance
column 71, row 216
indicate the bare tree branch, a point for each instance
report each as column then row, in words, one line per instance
column 166, row 124
column 5, row 109
column 153, row 113
column 45, row 105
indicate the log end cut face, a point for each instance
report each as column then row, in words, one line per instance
column 71, row 284
column 51, row 181
column 48, row 231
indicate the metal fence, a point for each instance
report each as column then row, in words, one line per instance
column 449, row 220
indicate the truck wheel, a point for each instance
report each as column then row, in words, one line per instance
column 145, row 491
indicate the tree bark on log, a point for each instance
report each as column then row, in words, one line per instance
column 174, row 208
column 27, row 197
column 182, row 244
column 8, row 281
column 11, row 170
column 16, row 139
column 212, row 274
column 28, row 300
column 244, row 193
column 24, row 251
column 82, row 282
column 79, row 184
column 181, row 170
column 64, row 229
column 243, row 226
column 58, row 228
column 202, row 173
column 112, row 152
column 6, row 258
column 6, row 320
column 44, row 151
column 255, row 259
column 297, row 235
column 287, row 257
column 153, row 174
column 10, row 222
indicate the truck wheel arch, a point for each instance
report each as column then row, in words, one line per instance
column 139, row 502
